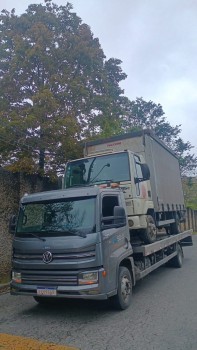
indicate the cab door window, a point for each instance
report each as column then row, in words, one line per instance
column 108, row 204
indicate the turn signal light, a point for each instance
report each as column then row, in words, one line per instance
column 112, row 185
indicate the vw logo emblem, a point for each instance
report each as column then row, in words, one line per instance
column 47, row 257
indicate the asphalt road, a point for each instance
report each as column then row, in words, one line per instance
column 163, row 315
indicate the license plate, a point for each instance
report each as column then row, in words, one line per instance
column 46, row 291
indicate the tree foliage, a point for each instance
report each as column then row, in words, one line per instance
column 54, row 83
column 140, row 114
column 57, row 88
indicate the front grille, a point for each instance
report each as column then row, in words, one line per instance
column 52, row 278
column 66, row 256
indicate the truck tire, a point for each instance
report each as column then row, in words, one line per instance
column 175, row 226
column 122, row 299
column 149, row 234
column 177, row 261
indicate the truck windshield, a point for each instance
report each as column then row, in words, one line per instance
column 65, row 217
column 97, row 170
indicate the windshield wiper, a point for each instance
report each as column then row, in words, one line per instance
column 94, row 178
column 73, row 232
column 77, row 233
column 33, row 234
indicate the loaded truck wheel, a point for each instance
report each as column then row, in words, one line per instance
column 149, row 234
column 175, row 227
column 122, row 299
column 177, row 261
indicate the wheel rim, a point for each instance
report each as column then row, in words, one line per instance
column 125, row 288
column 152, row 230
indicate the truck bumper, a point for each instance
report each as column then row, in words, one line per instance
column 137, row 222
column 94, row 291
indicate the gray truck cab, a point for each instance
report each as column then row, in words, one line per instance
column 71, row 243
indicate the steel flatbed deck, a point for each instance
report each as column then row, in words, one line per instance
column 162, row 243
column 160, row 252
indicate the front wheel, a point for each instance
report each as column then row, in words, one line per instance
column 149, row 234
column 122, row 299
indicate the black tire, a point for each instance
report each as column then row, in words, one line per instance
column 149, row 235
column 177, row 261
column 122, row 299
column 175, row 227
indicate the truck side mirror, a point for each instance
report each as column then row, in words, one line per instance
column 12, row 224
column 145, row 172
column 117, row 220
column 119, row 216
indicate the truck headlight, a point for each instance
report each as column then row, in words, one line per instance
column 88, row 278
column 16, row 277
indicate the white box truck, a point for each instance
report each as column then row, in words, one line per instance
column 145, row 169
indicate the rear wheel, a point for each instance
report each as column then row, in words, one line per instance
column 149, row 234
column 175, row 227
column 122, row 299
column 177, row 261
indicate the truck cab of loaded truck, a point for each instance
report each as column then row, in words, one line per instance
column 71, row 243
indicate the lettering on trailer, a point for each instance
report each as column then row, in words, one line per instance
column 114, row 144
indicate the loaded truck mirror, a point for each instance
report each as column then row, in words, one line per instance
column 12, row 224
column 145, row 172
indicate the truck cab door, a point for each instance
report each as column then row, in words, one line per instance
column 142, row 188
column 115, row 240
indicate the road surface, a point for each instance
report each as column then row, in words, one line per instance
column 163, row 315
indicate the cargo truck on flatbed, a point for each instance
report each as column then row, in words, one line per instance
column 148, row 173
column 77, row 243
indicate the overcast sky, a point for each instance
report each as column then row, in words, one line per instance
column 157, row 43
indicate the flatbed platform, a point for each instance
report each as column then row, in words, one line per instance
column 154, row 255
column 148, row 249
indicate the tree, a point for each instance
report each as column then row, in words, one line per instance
column 140, row 114
column 105, row 120
column 54, row 82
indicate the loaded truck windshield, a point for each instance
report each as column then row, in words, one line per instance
column 98, row 170
column 63, row 217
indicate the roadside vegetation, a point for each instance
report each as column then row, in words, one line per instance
column 190, row 192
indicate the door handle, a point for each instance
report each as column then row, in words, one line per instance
column 126, row 243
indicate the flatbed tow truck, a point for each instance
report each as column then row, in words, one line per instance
column 76, row 243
